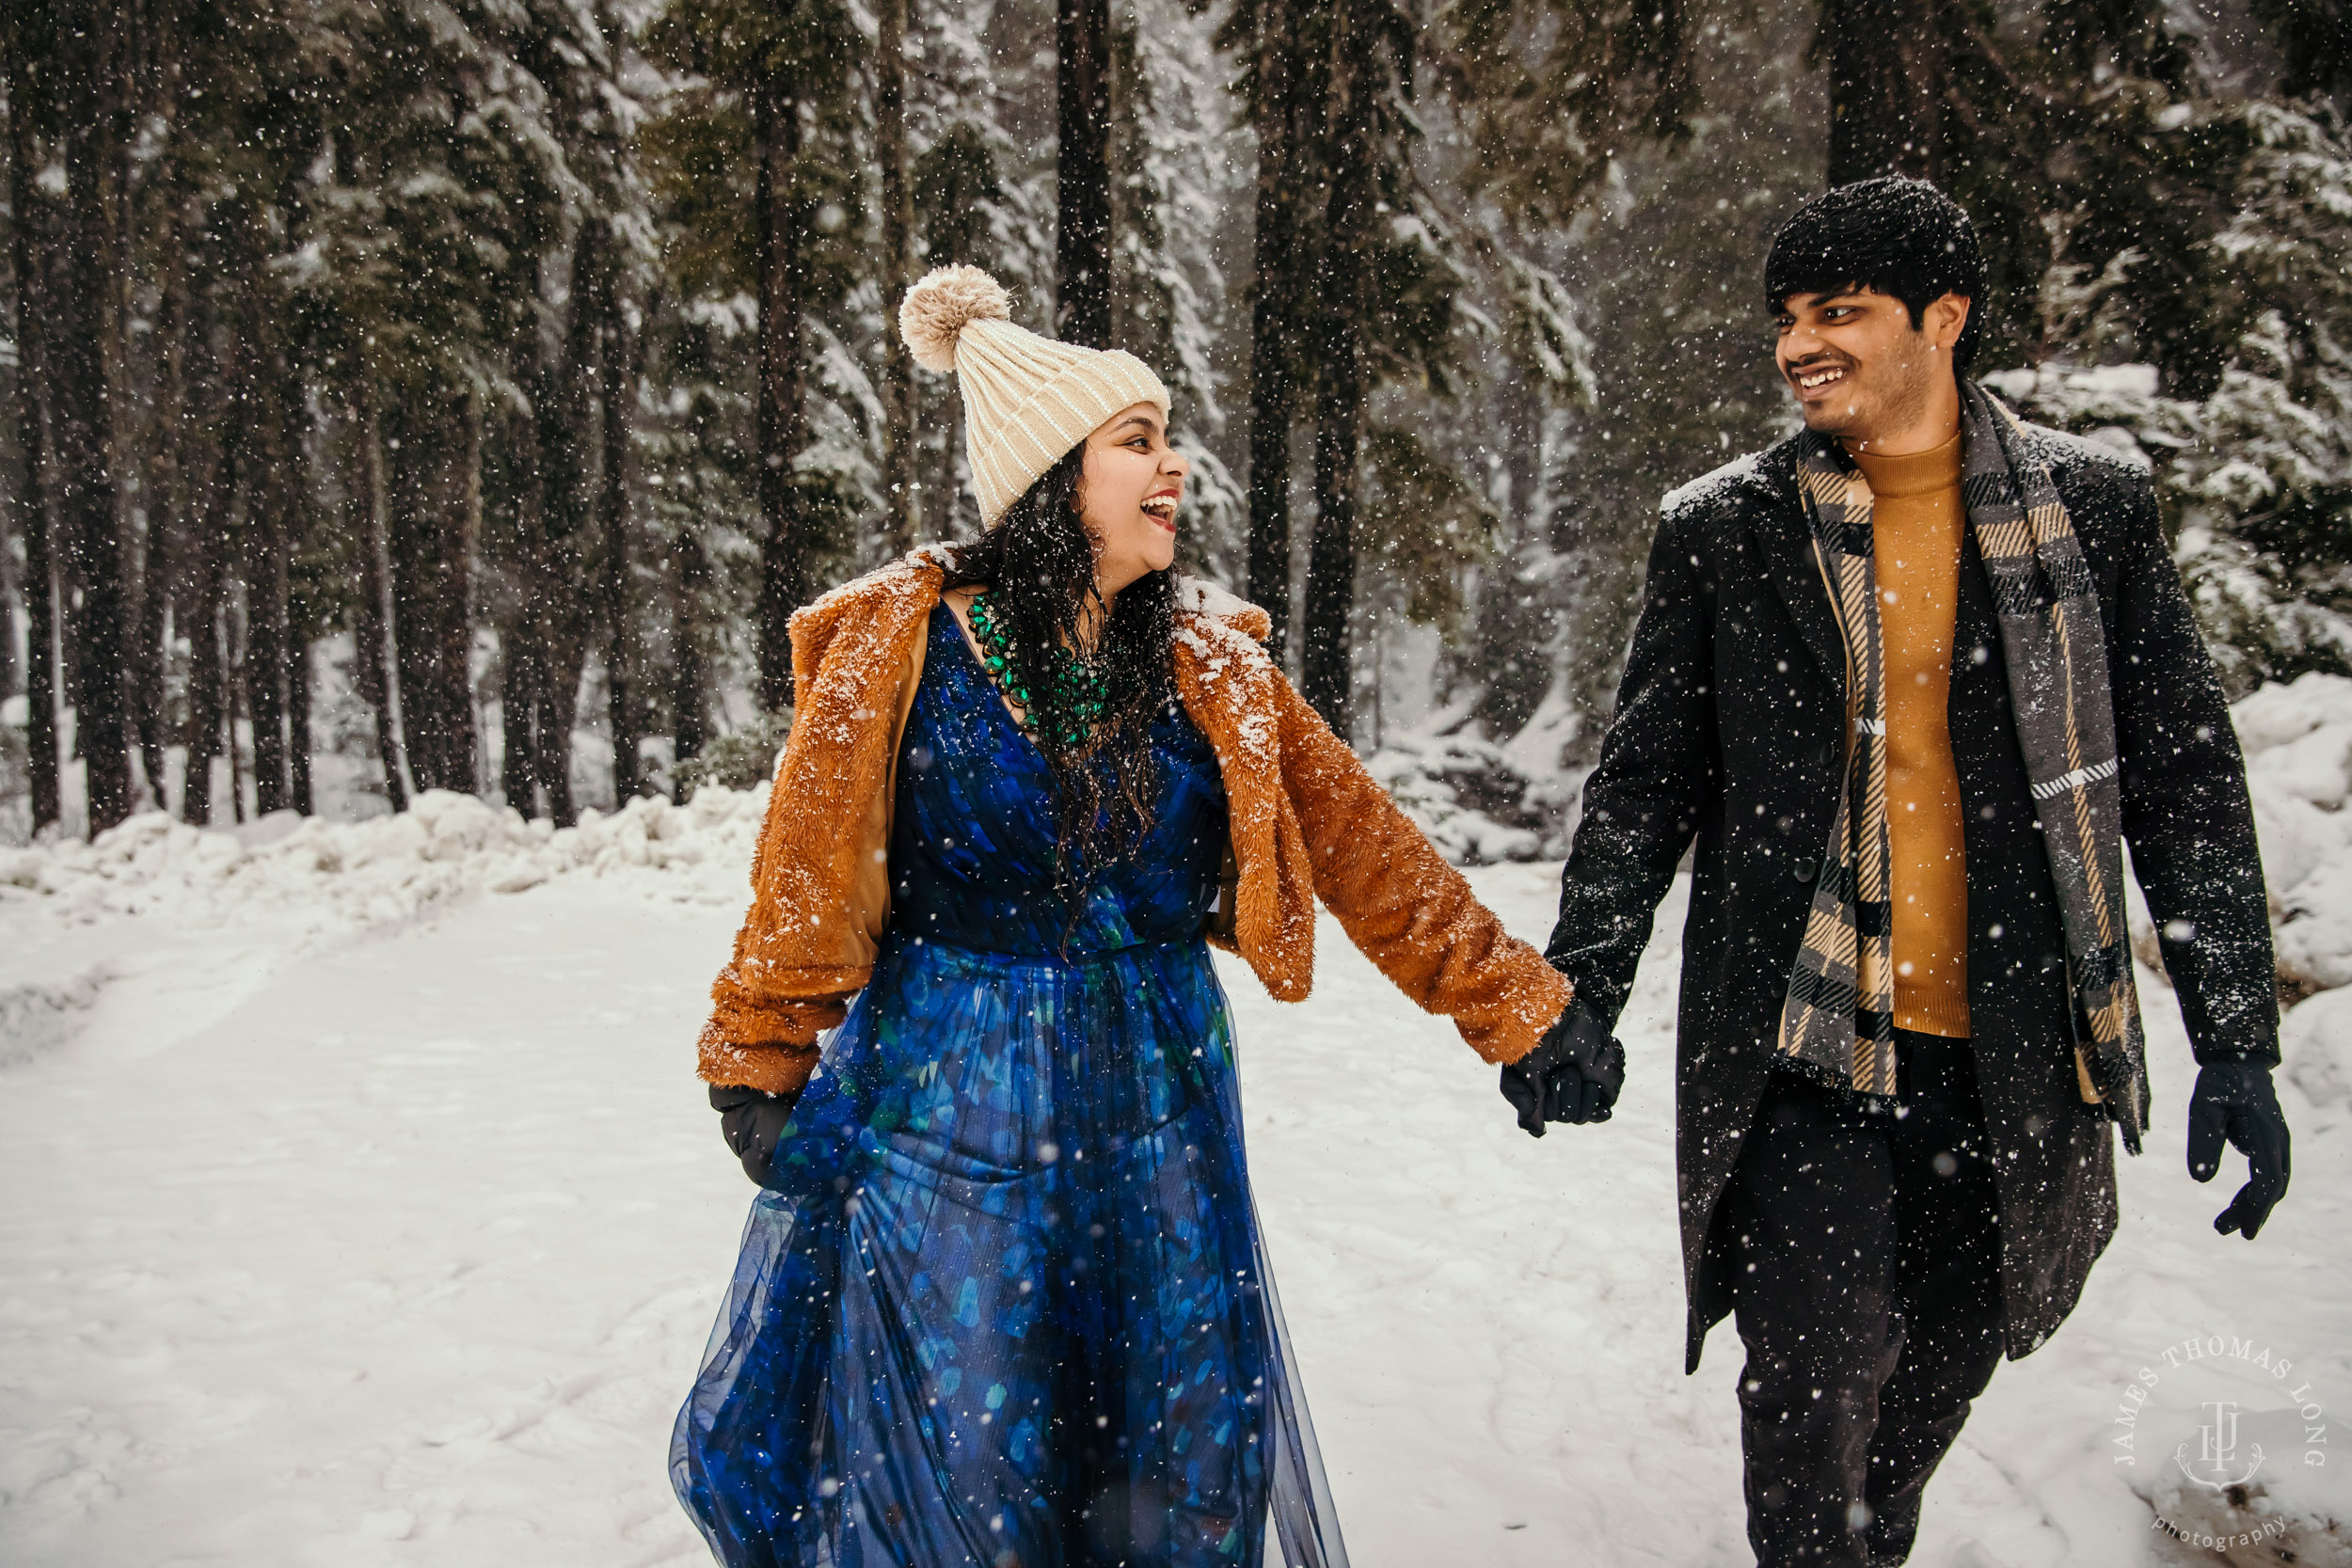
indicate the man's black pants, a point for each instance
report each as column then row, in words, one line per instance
column 1863, row 1252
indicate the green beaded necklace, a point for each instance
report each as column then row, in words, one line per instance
column 1076, row 696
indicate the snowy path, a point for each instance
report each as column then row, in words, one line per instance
column 405, row 1253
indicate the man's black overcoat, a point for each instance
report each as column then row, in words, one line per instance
column 1730, row 728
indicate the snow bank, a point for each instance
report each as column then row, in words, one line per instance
column 350, row 874
column 2317, row 1041
column 1463, row 792
column 2297, row 738
column 1472, row 797
column 37, row 1015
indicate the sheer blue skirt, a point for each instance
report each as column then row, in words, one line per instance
column 1004, row 1300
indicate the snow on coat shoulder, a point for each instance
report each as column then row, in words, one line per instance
column 901, row 571
column 2125, row 459
column 1200, row 597
column 1711, row 483
column 1220, row 629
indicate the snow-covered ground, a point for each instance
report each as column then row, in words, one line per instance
column 362, row 1209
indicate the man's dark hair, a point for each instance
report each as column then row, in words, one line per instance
column 1901, row 237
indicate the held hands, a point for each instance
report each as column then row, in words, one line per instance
column 1572, row 1075
column 2234, row 1102
column 751, row 1120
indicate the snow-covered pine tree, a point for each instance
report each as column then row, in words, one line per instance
column 2251, row 439
column 1385, row 298
column 777, row 79
column 76, row 48
column 895, row 221
column 29, row 115
column 1177, row 190
column 447, row 181
column 981, row 195
column 1279, row 77
column 1539, row 99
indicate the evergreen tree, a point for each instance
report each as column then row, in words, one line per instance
column 26, row 43
column 557, row 361
column 1177, row 195
column 86, row 40
column 895, row 198
column 780, row 72
column 1283, row 75
column 1082, row 39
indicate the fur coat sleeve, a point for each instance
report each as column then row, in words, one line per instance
column 821, row 895
column 1309, row 822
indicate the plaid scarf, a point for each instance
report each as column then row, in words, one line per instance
column 1838, row 1023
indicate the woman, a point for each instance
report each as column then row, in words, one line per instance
column 1003, row 1298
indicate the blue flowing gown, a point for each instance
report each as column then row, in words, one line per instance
column 1003, row 1301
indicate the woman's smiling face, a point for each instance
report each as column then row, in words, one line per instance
column 1133, row 484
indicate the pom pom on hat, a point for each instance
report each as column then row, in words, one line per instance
column 932, row 318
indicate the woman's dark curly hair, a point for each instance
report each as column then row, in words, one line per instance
column 1037, row 565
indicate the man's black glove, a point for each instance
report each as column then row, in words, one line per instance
column 1573, row 1074
column 2234, row 1101
column 752, row 1120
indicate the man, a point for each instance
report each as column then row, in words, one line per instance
column 1910, row 678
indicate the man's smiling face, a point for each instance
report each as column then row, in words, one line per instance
column 1859, row 367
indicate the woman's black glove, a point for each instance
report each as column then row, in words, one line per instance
column 752, row 1120
column 2234, row 1101
column 1573, row 1074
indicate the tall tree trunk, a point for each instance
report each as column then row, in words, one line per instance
column 618, row 367
column 261, row 477
column 267, row 639
column 561, row 415
column 237, row 627
column 457, row 622
column 1889, row 69
column 1326, row 656
column 427, row 493
column 32, row 512
column 301, row 615
column 782, row 287
column 566, row 653
column 417, row 439
column 76, row 373
column 522, row 665
column 1082, row 39
column 897, row 204
column 158, row 572
column 370, row 668
column 162, row 92
column 1326, row 666
column 133, row 441
column 524, row 715
column 145, row 682
column 10, row 591
column 64, row 558
column 1512, row 628
column 690, row 691
column 207, row 441
column 1272, row 317
column 517, row 696
column 298, row 722
column 40, row 631
column 207, row 684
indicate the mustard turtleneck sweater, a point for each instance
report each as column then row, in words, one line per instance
column 1917, row 518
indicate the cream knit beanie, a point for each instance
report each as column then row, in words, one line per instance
column 1026, row 400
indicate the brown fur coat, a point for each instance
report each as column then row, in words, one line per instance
column 1308, row 822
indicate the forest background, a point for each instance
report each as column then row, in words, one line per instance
column 459, row 394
